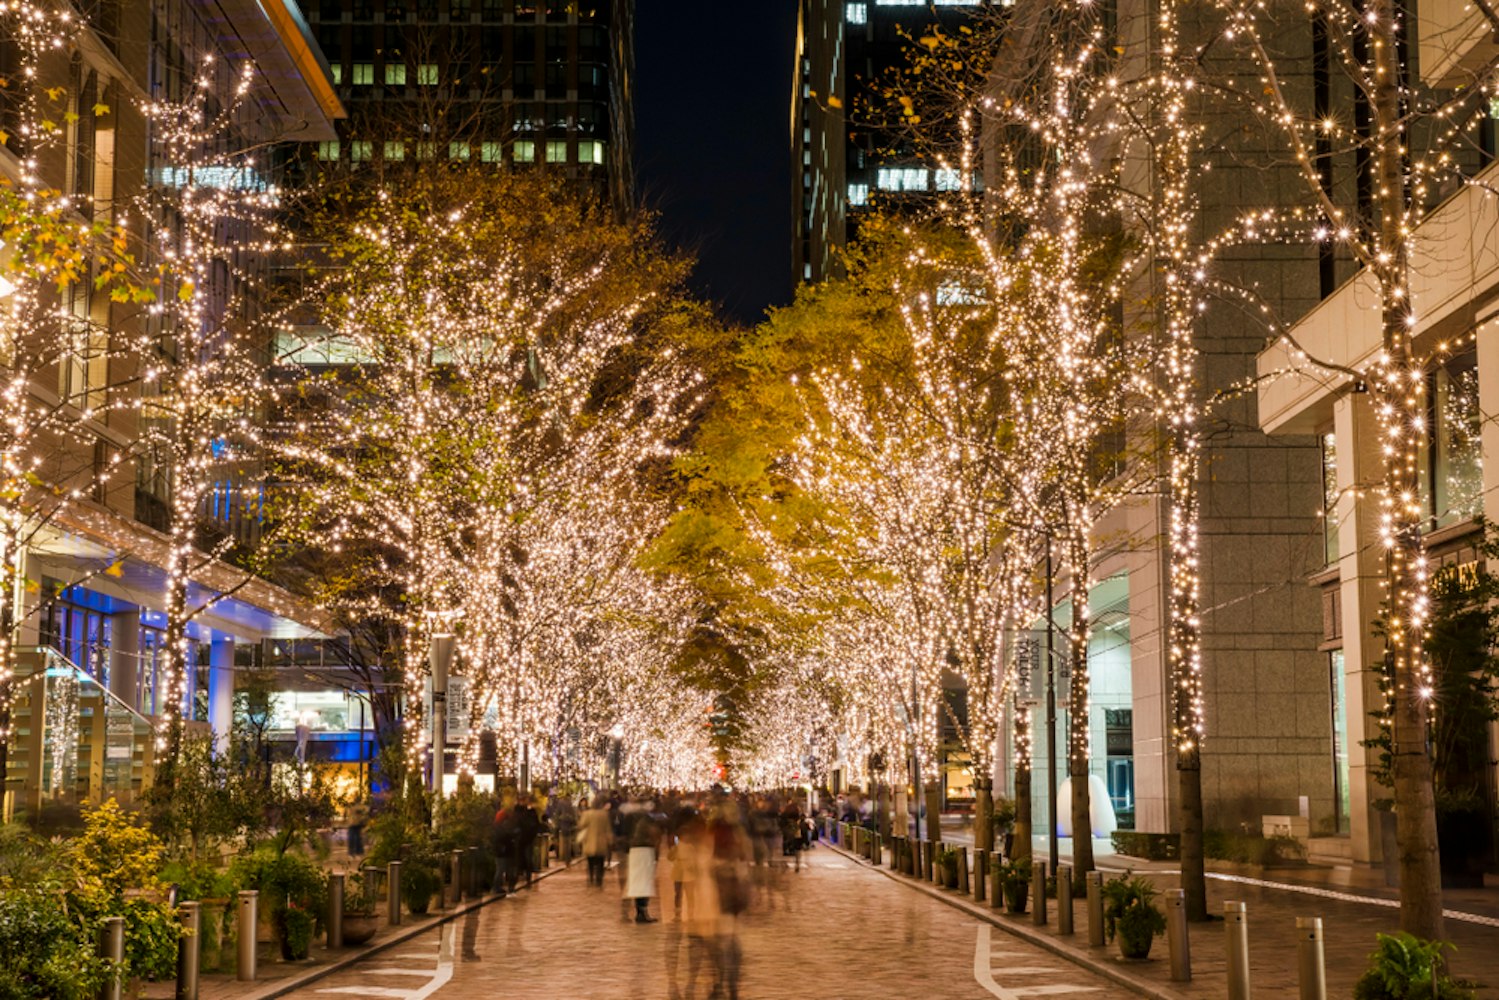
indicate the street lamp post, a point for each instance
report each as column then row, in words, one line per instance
column 439, row 657
column 616, row 750
column 1051, row 717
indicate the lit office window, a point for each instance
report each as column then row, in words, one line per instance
column 858, row 13
column 361, row 151
column 591, row 151
column 336, row 70
column 948, row 179
column 858, row 194
column 557, row 151
column 395, row 74
column 328, row 150
column 426, row 75
column 901, row 179
column 363, row 75
column 458, row 151
column 491, row 152
column 395, row 150
column 525, row 151
column 426, row 151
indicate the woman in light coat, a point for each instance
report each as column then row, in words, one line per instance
column 595, row 834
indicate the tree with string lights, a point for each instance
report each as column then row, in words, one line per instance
column 1411, row 143
column 203, row 349
column 54, row 353
column 502, row 402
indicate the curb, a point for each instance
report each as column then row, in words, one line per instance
column 1048, row 942
column 415, row 930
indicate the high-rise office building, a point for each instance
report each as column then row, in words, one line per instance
column 844, row 49
column 523, row 83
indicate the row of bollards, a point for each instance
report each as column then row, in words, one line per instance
column 918, row 859
column 464, row 880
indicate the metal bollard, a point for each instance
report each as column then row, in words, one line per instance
column 1311, row 964
column 963, row 869
column 1095, row 909
column 187, row 951
column 1236, row 926
column 996, row 889
column 1038, row 890
column 1177, row 941
column 247, row 919
column 336, row 910
column 456, row 864
column 934, row 869
column 393, row 893
column 879, row 850
column 1064, row 899
column 980, row 875
column 112, row 947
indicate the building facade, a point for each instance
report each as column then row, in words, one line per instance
column 841, row 162
column 1454, row 287
column 542, row 84
column 91, row 623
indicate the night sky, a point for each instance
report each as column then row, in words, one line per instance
column 712, row 105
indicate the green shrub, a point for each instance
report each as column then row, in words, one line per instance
column 1147, row 846
column 296, row 928
column 1405, row 967
column 284, row 881
column 1252, row 848
column 46, row 951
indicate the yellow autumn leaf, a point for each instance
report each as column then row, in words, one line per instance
column 101, row 109
column 834, row 102
column 116, row 568
column 55, row 93
column 185, row 291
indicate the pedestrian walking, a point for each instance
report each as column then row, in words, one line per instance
column 528, row 827
column 503, row 838
column 595, row 833
column 640, row 878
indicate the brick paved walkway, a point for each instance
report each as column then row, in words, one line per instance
column 834, row 930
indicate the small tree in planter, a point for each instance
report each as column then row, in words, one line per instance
column 420, row 880
column 1015, row 881
column 295, row 892
column 359, row 909
column 947, row 867
column 1129, row 911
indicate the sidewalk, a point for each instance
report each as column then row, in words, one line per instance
column 1351, row 917
column 275, row 977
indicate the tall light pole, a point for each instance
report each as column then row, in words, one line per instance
column 1051, row 717
column 439, row 658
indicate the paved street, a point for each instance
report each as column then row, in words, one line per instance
column 833, row 930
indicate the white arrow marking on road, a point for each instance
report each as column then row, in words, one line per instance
column 1051, row 991
column 369, row 991
column 397, row 972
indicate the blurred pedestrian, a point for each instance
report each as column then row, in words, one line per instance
column 640, row 878
column 528, row 828
column 502, row 839
column 595, row 832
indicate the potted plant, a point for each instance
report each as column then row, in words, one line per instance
column 359, row 909
column 1015, row 881
column 1129, row 911
column 420, row 879
column 1405, row 967
column 947, row 867
column 294, row 890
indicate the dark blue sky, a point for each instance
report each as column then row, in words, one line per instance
column 712, row 103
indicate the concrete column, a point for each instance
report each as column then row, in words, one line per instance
column 221, row 689
column 124, row 656
column 1360, row 570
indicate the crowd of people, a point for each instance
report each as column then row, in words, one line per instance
column 721, row 854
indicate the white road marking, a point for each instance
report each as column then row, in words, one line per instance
column 439, row 977
column 983, row 973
